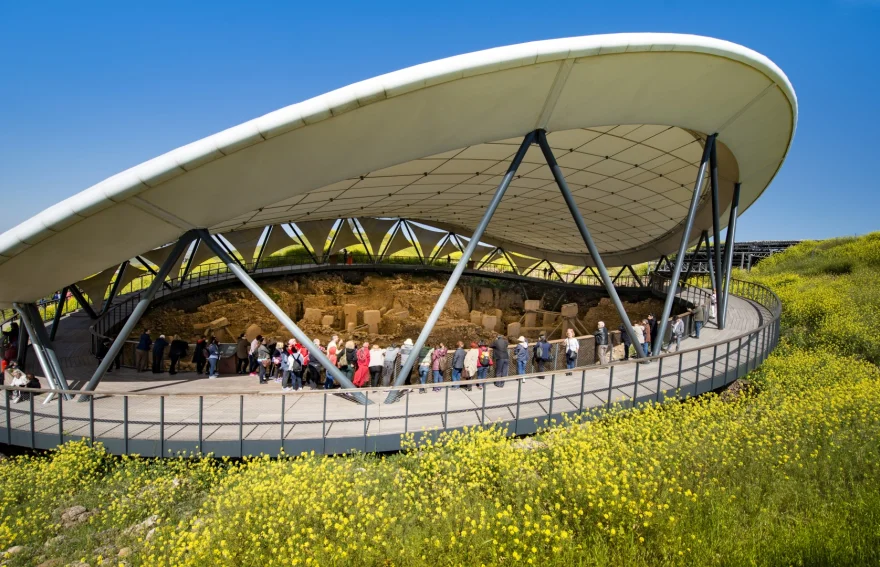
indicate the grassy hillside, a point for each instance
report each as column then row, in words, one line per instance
column 786, row 474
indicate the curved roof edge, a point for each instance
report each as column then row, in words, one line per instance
column 135, row 180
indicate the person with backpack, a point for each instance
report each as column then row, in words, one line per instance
column 699, row 319
column 458, row 363
column 484, row 362
column 263, row 360
column 348, row 362
column 541, row 355
column 178, row 349
column 439, row 364
column 521, row 355
column 295, row 367
column 390, row 361
column 213, row 358
column 425, row 366
column 502, row 358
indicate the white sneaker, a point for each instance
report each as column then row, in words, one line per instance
column 212, row 376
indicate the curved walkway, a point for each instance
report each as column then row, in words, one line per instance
column 233, row 416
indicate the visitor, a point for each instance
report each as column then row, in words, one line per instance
column 640, row 336
column 546, row 271
column 362, row 373
column 390, row 361
column 159, row 355
column 677, row 332
column 351, row 360
column 313, row 367
column 601, row 338
column 699, row 319
column 295, row 368
column 625, row 339
column 344, row 256
column 713, row 307
column 241, row 354
column 277, row 362
column 439, row 364
column 502, row 358
column 263, row 357
column 32, row 383
column 377, row 365
column 471, row 364
column 542, row 354
column 200, row 356
column 19, row 380
column 521, row 355
column 252, row 355
column 458, row 363
column 647, row 345
column 333, row 356
column 142, row 351
column 425, row 367
column 484, row 361
column 651, row 334
column 405, row 353
column 178, row 349
column 571, row 347
column 104, row 350
column 213, row 358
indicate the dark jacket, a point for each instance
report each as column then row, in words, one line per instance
column 699, row 314
column 199, row 354
column 242, row 348
column 159, row 346
column 144, row 342
column 178, row 348
column 653, row 324
column 499, row 348
column 624, row 336
column 458, row 358
column 542, row 350
column 351, row 357
column 601, row 336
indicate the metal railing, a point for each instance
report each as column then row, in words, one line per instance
column 329, row 421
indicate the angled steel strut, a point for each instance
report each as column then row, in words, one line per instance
column 682, row 248
column 406, row 366
column 585, row 234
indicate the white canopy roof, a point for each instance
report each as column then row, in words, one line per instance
column 626, row 116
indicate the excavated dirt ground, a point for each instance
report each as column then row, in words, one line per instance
column 405, row 302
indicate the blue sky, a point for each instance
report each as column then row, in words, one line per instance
column 88, row 89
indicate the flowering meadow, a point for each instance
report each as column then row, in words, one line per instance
column 787, row 472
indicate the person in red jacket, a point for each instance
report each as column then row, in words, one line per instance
column 362, row 374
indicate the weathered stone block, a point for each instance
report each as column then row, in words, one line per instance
column 313, row 315
column 548, row 319
column 490, row 322
column 372, row 317
column 218, row 323
column 327, row 320
column 530, row 320
column 570, row 310
column 476, row 317
column 514, row 329
column 531, row 305
column 351, row 314
column 349, row 327
column 486, row 295
column 373, row 328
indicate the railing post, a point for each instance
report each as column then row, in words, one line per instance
column 366, row 408
column 406, row 413
column 738, row 353
column 727, row 365
column 60, row 421
column 201, row 421
column 610, row 386
column 636, row 385
column 483, row 414
column 552, row 393
column 33, row 440
column 324, row 426
column 680, row 361
column 446, row 409
column 91, row 420
column 518, row 398
column 659, row 378
column 161, row 426
column 697, row 380
column 241, row 426
column 125, row 422
column 8, row 419
column 583, row 386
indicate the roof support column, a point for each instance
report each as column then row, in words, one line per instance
column 682, row 248
column 138, row 312
column 635, row 275
column 716, row 225
column 115, row 289
column 59, row 310
column 86, row 306
column 30, row 317
column 407, row 365
column 263, row 297
column 150, row 269
column 693, row 258
column 585, row 234
column 722, row 297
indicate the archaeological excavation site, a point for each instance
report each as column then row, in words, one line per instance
column 391, row 308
